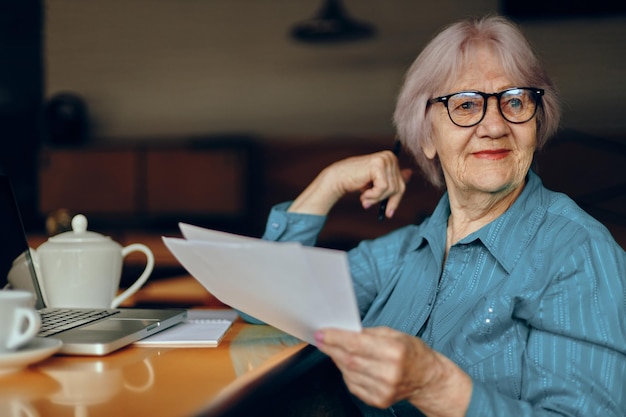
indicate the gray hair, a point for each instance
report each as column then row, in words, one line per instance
column 438, row 65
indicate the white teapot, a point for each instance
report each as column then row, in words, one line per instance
column 82, row 269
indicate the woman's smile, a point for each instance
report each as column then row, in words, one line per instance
column 492, row 154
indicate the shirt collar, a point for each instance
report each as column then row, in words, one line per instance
column 432, row 231
column 505, row 237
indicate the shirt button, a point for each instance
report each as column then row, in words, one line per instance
column 275, row 225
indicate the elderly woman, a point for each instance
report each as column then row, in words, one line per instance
column 509, row 300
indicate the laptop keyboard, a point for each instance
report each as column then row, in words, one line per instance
column 55, row 321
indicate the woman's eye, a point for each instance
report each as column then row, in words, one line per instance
column 514, row 104
column 468, row 106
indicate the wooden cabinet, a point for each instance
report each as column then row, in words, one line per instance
column 142, row 184
column 91, row 181
column 195, row 182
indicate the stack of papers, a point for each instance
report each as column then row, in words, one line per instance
column 292, row 287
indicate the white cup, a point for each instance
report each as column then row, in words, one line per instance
column 19, row 321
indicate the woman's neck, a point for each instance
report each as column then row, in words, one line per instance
column 470, row 212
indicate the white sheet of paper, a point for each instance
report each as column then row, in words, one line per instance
column 294, row 288
column 191, row 232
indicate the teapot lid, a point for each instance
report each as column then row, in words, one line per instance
column 79, row 232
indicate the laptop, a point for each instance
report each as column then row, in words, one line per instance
column 106, row 330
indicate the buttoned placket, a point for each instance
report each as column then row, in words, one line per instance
column 452, row 270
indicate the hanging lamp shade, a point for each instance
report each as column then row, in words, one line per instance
column 332, row 24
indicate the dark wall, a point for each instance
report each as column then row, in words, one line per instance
column 542, row 9
column 21, row 95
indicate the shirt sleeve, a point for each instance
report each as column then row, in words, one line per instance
column 283, row 226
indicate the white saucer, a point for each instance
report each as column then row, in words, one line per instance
column 36, row 350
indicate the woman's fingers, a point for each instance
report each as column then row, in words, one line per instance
column 377, row 364
column 385, row 181
column 382, row 366
column 376, row 176
column 396, row 197
column 355, row 356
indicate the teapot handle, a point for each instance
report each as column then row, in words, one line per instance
column 142, row 278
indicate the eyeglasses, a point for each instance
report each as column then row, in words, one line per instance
column 467, row 108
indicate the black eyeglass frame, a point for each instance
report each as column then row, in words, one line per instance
column 537, row 93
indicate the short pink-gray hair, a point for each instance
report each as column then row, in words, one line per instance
column 438, row 65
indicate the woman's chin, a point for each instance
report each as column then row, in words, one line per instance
column 497, row 183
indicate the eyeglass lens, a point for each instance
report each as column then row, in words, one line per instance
column 468, row 108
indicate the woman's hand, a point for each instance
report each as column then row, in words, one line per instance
column 382, row 366
column 376, row 177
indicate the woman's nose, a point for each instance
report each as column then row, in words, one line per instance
column 493, row 124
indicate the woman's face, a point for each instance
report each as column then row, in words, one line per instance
column 493, row 156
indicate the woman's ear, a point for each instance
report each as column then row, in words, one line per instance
column 429, row 149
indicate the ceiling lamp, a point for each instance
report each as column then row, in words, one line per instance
column 332, row 24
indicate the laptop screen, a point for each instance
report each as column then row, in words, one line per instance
column 13, row 241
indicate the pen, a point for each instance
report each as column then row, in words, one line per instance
column 383, row 204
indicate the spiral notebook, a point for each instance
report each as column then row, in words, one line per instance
column 201, row 328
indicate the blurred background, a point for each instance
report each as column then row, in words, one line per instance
column 142, row 113
column 151, row 68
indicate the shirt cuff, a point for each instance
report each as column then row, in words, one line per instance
column 283, row 226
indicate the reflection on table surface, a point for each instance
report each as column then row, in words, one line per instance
column 142, row 381
column 145, row 381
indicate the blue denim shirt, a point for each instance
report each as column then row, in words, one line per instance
column 532, row 306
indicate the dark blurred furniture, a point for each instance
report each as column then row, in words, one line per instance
column 147, row 189
column 150, row 186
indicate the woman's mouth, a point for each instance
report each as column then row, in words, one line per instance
column 493, row 154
